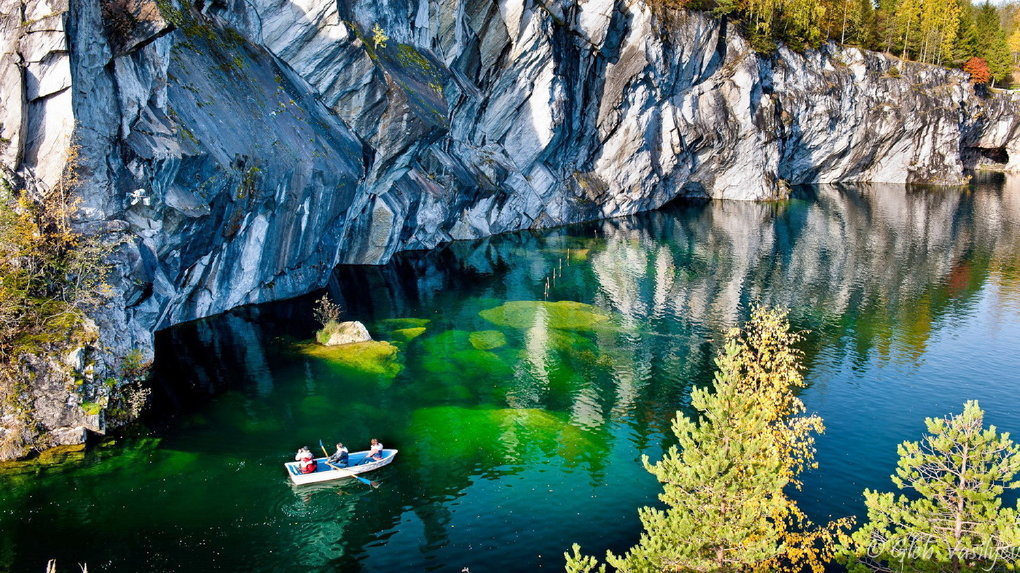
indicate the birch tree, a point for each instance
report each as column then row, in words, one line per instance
column 725, row 483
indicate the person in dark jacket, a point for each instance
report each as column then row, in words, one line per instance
column 339, row 457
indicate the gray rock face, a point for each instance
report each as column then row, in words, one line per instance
column 238, row 151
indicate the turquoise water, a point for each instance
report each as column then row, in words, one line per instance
column 521, row 420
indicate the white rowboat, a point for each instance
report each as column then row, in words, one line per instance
column 357, row 463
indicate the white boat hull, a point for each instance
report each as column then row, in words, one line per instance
column 323, row 472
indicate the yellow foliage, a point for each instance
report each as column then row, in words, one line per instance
column 379, row 37
column 725, row 483
column 50, row 277
column 1014, row 41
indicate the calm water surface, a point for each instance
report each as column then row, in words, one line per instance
column 521, row 429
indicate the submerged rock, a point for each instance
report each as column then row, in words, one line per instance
column 409, row 334
column 404, row 329
column 452, row 354
column 487, row 339
column 563, row 315
column 512, row 435
column 399, row 323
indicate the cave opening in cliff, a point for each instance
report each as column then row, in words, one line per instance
column 993, row 155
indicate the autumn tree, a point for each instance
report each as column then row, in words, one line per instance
column 953, row 520
column 938, row 28
column 907, row 19
column 725, row 483
column 1014, row 45
column 978, row 70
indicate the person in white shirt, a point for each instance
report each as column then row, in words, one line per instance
column 304, row 455
column 375, row 451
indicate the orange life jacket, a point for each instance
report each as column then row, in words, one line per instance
column 307, row 465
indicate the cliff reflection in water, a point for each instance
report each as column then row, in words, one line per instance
column 877, row 261
column 533, row 371
column 494, row 385
column 867, row 267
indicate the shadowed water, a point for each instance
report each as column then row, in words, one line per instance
column 521, row 419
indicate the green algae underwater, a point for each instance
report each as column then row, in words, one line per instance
column 521, row 417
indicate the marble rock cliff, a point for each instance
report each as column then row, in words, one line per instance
column 236, row 152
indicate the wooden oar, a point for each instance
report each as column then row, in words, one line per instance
column 338, row 468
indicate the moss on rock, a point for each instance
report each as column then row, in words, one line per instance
column 393, row 324
column 373, row 357
column 470, row 364
column 510, row 434
column 447, row 342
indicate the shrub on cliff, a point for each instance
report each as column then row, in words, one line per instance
column 327, row 313
column 725, row 483
column 50, row 277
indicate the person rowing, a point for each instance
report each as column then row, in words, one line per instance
column 340, row 456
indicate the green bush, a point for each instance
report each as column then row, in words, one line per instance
column 323, row 335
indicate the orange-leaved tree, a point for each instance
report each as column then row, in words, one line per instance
column 978, row 70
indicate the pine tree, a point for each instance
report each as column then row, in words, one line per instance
column 856, row 25
column 966, row 45
column 725, row 483
column 865, row 33
column 885, row 25
column 954, row 521
column 991, row 43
